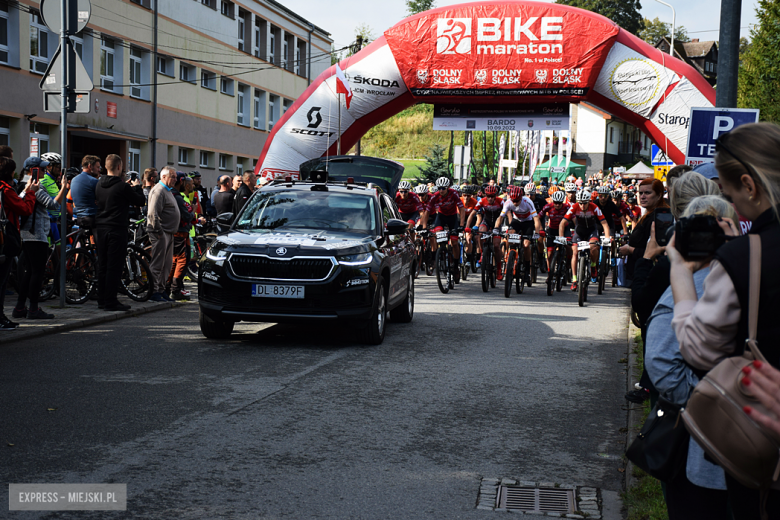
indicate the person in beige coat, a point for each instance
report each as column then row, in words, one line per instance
column 162, row 221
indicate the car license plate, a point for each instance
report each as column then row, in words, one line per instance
column 277, row 291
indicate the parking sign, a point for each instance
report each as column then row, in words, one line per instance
column 707, row 124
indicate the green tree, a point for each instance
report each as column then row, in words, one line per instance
column 364, row 35
column 418, row 6
column 436, row 165
column 759, row 76
column 744, row 47
column 625, row 13
column 655, row 29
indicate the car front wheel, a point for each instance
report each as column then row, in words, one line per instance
column 374, row 331
column 215, row 329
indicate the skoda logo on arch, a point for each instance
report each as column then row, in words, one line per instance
column 281, row 251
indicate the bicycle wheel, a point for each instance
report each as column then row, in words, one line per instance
column 582, row 281
column 80, row 275
column 551, row 274
column 50, row 279
column 520, row 274
column 534, row 262
column 603, row 272
column 451, row 266
column 509, row 268
column 561, row 270
column 473, row 257
column 442, row 268
column 494, row 266
column 137, row 280
column 465, row 267
column 487, row 266
column 428, row 258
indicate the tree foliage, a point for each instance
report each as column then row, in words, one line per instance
column 418, row 6
column 363, row 33
column 759, row 76
column 436, row 165
column 625, row 13
column 655, row 29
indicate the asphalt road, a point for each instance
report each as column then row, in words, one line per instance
column 303, row 422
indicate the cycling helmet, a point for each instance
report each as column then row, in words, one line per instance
column 570, row 187
column 602, row 190
column 442, row 182
column 530, row 188
column 617, row 194
column 432, row 189
column 491, row 191
column 421, row 189
column 404, row 185
column 544, row 192
column 456, row 188
column 71, row 172
column 558, row 196
column 515, row 192
column 554, row 189
column 52, row 158
column 583, row 196
column 632, row 200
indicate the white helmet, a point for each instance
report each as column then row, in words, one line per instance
column 583, row 196
column 558, row 196
column 52, row 158
column 421, row 189
column 602, row 190
column 442, row 182
column 404, row 185
column 570, row 186
column 530, row 188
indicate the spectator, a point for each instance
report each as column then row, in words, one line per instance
column 181, row 239
column 203, row 195
column 162, row 221
column 714, row 326
column 82, row 190
column 6, row 151
column 237, row 180
column 151, row 177
column 262, row 181
column 133, row 179
column 13, row 207
column 50, row 183
column 223, row 201
column 675, row 173
column 114, row 198
column 244, row 192
column 700, row 490
column 192, row 196
column 651, row 196
column 35, row 246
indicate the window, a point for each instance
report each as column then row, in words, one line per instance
column 210, row 3
column 40, row 132
column 106, row 63
column 297, row 60
column 204, row 159
column 273, row 106
column 208, row 80
column 286, row 104
column 3, row 33
column 187, row 72
column 259, row 102
column 39, row 45
column 165, row 66
column 239, row 168
column 135, row 71
column 227, row 8
column 134, row 157
column 223, row 161
column 184, row 156
column 611, row 135
column 285, row 50
column 256, row 39
column 78, row 44
column 241, row 29
column 5, row 131
column 241, row 117
column 143, row 3
column 272, row 47
column 226, row 86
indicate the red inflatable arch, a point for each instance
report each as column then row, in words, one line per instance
column 498, row 53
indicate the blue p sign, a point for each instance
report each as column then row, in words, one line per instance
column 707, row 124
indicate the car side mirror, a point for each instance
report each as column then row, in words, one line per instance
column 395, row 226
column 224, row 221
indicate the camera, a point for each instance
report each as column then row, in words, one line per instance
column 698, row 237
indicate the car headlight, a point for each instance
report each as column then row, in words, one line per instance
column 358, row 259
column 216, row 252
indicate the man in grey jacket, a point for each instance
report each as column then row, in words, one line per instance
column 162, row 222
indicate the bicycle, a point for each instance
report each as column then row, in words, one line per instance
column 204, row 237
column 514, row 251
column 488, row 264
column 444, row 261
column 465, row 265
column 424, row 254
column 535, row 258
column 616, row 244
column 583, row 271
column 604, row 262
column 559, row 265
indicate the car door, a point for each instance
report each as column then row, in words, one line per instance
column 393, row 249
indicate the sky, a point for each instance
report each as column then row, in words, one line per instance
column 340, row 17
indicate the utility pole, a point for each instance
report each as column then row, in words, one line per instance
column 154, row 88
column 64, row 41
column 728, row 54
column 359, row 46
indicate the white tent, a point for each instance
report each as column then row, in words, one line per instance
column 640, row 167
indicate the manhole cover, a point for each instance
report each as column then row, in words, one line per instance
column 536, row 499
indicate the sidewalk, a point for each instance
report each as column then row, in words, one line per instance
column 79, row 316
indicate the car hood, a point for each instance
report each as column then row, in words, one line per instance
column 297, row 242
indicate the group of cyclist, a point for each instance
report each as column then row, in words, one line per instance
column 579, row 213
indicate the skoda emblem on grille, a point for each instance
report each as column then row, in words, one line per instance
column 281, row 251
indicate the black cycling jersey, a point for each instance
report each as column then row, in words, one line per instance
column 611, row 213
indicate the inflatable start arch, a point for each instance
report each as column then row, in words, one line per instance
column 493, row 53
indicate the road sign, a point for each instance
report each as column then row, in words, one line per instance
column 660, row 172
column 78, row 79
column 659, row 157
column 78, row 102
column 707, row 124
column 77, row 11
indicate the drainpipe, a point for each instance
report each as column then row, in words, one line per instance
column 154, row 88
column 308, row 56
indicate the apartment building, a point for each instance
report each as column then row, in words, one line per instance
column 225, row 73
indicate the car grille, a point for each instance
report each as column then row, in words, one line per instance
column 261, row 267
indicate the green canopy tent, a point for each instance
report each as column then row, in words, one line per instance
column 556, row 169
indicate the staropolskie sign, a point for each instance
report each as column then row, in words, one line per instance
column 494, row 53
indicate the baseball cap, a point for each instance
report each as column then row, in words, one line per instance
column 34, row 162
column 708, row 170
column 180, row 176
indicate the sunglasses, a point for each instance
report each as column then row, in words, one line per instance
column 721, row 146
column 442, row 189
column 403, row 191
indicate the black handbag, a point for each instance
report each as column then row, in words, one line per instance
column 10, row 239
column 661, row 448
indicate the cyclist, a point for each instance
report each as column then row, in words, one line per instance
column 409, row 204
column 50, row 184
column 486, row 213
column 469, row 203
column 623, row 208
column 449, row 213
column 636, row 211
column 586, row 214
column 554, row 213
column 539, row 203
column 525, row 220
column 610, row 210
column 571, row 192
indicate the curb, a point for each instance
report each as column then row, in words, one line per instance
column 78, row 324
column 634, row 414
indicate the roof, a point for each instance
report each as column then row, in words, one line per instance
column 681, row 51
column 698, row 49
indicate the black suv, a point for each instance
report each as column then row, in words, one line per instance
column 328, row 247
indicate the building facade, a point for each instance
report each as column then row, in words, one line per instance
column 225, row 72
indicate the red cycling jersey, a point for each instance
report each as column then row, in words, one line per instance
column 585, row 216
column 554, row 215
column 447, row 203
column 410, row 204
column 624, row 209
column 469, row 204
column 489, row 210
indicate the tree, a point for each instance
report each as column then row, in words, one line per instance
column 759, row 75
column 625, row 13
column 655, row 29
column 418, row 6
column 436, row 166
column 744, row 47
column 364, row 35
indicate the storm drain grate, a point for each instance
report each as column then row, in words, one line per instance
column 536, row 499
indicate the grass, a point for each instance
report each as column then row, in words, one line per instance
column 407, row 135
column 411, row 167
column 645, row 499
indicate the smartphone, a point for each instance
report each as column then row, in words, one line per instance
column 34, row 173
column 663, row 221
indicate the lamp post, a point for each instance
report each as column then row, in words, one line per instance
column 674, row 15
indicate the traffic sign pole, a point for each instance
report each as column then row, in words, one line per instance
column 63, row 145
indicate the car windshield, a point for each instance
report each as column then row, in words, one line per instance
column 274, row 210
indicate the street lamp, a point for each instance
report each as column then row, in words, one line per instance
column 671, row 47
